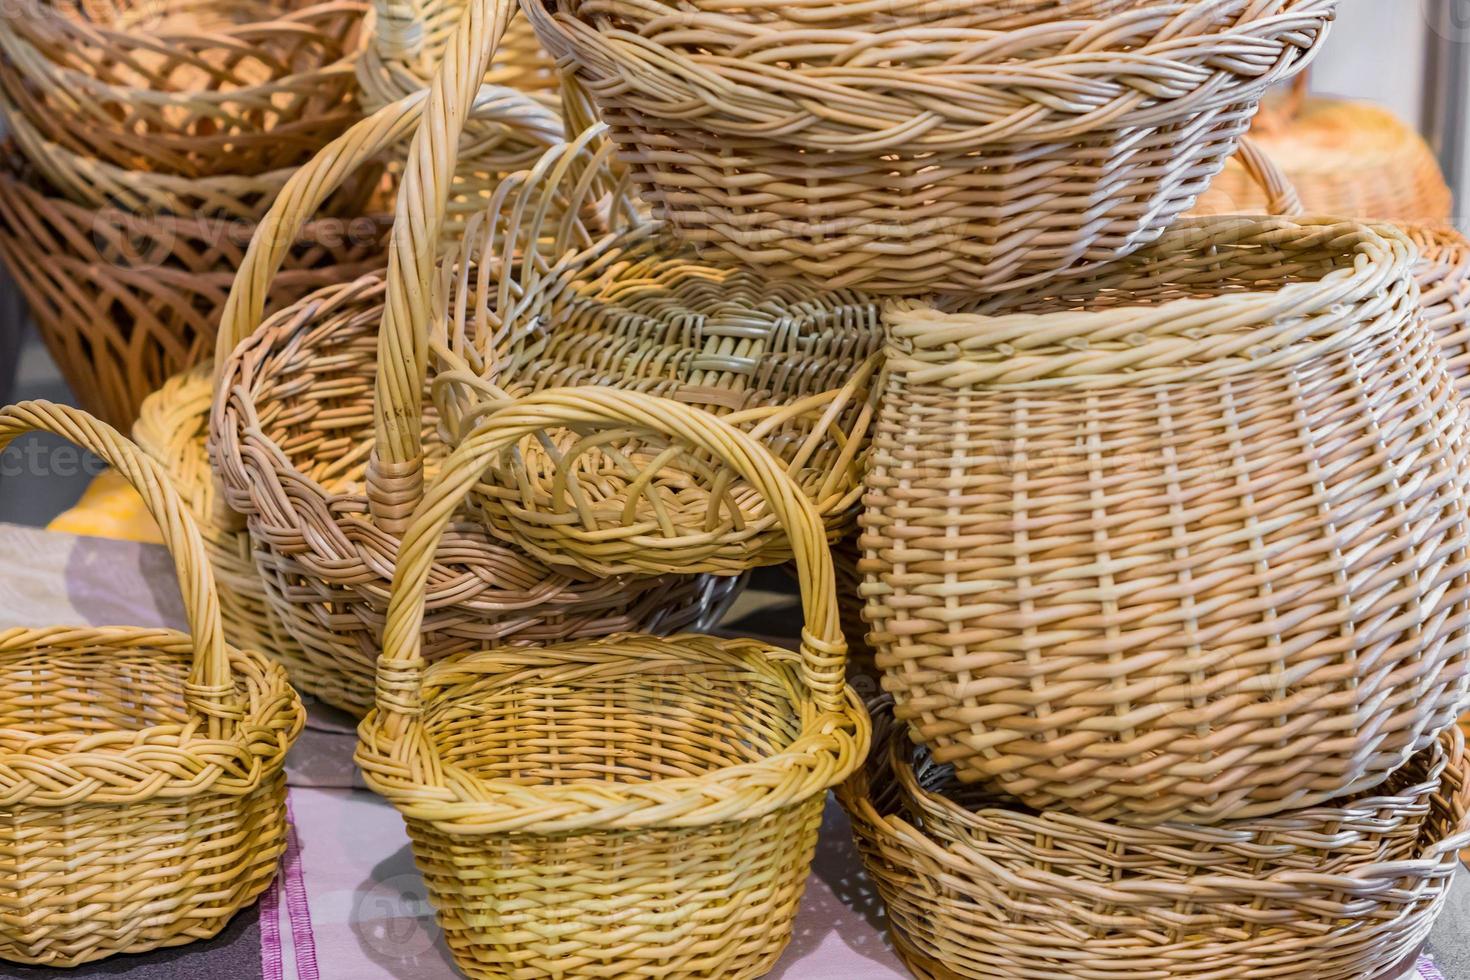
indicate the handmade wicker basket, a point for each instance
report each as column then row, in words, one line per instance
column 935, row 146
column 143, row 795
column 297, row 433
column 977, row 888
column 1351, row 159
column 124, row 301
column 189, row 87
column 689, row 772
column 1202, row 557
column 1444, row 289
column 626, row 306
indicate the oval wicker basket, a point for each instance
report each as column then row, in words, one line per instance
column 188, row 87
column 135, row 758
column 1203, row 556
column 297, row 430
column 1345, row 158
column 691, row 772
column 935, row 146
column 626, row 306
column 980, row 889
column 124, row 301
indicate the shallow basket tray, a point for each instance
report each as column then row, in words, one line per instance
column 135, row 758
column 977, row 888
column 1203, row 558
column 941, row 146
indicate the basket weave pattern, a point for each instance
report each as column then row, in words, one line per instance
column 1178, row 553
column 183, row 86
column 946, row 146
column 977, row 889
column 134, row 757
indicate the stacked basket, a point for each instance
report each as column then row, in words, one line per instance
column 146, row 139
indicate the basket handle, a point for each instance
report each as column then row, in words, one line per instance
column 210, row 691
column 1281, row 196
column 401, row 665
column 395, row 470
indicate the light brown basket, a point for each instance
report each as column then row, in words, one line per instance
column 937, row 146
column 626, row 306
column 980, row 889
column 624, row 807
column 142, row 802
column 125, row 301
column 297, row 433
column 1350, row 159
column 1182, row 540
column 1443, row 272
column 189, row 87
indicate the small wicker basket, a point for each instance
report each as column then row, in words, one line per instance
column 310, row 398
column 689, row 773
column 1350, row 159
column 544, row 298
column 937, row 146
column 124, row 301
column 980, row 889
column 189, row 87
column 142, row 802
column 1202, row 555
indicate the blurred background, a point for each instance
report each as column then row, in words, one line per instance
column 1411, row 57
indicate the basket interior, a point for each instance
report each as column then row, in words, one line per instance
column 628, row 710
column 66, row 693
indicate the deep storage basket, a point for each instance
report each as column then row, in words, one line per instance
column 627, row 306
column 932, row 146
column 124, row 301
column 297, row 432
column 978, row 888
column 1351, row 159
column 625, row 807
column 1181, row 540
column 143, row 796
column 187, row 87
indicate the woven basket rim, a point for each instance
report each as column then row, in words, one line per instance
column 1222, row 333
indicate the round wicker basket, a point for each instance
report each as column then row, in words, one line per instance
column 1206, row 561
column 1345, row 158
column 124, row 301
column 188, row 87
column 689, row 772
column 980, row 889
column 144, row 768
column 935, row 145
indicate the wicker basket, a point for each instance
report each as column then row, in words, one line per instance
column 626, row 807
column 1345, row 158
column 980, row 889
column 125, row 301
column 188, row 87
column 627, row 307
column 297, row 431
column 143, row 795
column 940, row 146
column 1444, row 287
column 1203, row 555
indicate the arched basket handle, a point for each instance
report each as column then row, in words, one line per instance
column 402, row 664
column 210, row 691
column 1282, row 199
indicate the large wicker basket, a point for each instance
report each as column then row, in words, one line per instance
column 1203, row 556
column 625, row 807
column 143, row 797
column 978, row 888
column 939, row 146
column 1351, row 159
column 626, row 306
column 298, row 435
column 189, row 87
column 124, row 301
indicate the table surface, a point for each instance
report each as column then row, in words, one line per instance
column 348, row 904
